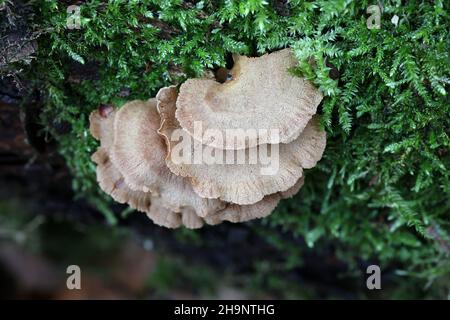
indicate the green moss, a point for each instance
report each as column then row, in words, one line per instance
column 383, row 184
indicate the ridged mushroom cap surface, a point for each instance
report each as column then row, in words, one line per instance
column 112, row 183
column 261, row 209
column 101, row 125
column 292, row 191
column 138, row 151
column 240, row 183
column 162, row 216
column 261, row 95
column 240, row 213
column 139, row 154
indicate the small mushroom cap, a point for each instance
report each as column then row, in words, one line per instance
column 261, row 95
column 162, row 216
column 237, row 213
column 242, row 184
column 166, row 105
column 190, row 219
column 292, row 191
column 139, row 152
column 177, row 196
column 261, row 209
column 101, row 125
column 112, row 182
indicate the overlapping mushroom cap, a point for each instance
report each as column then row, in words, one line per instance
column 240, row 183
column 148, row 155
column 261, row 95
column 170, row 192
column 139, row 153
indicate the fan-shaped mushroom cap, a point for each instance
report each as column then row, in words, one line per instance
column 190, row 219
column 292, row 191
column 242, row 184
column 237, row 213
column 101, row 125
column 166, row 106
column 139, row 152
column 162, row 216
column 133, row 164
column 112, row 182
column 261, row 95
column 177, row 194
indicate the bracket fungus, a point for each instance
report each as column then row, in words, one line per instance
column 241, row 182
column 261, row 95
column 150, row 157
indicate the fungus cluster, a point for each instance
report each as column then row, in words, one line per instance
column 141, row 144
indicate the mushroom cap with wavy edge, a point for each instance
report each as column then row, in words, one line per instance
column 166, row 104
column 261, row 95
column 236, row 213
column 292, row 191
column 162, row 216
column 112, row 183
column 240, row 213
column 241, row 184
column 138, row 151
column 101, row 125
column 190, row 219
column 139, row 154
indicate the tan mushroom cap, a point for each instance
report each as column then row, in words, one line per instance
column 166, row 105
column 237, row 213
column 190, row 219
column 261, row 209
column 101, row 125
column 178, row 195
column 133, row 146
column 162, row 216
column 292, row 191
column 139, row 152
column 112, row 182
column 241, row 184
column 261, row 95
